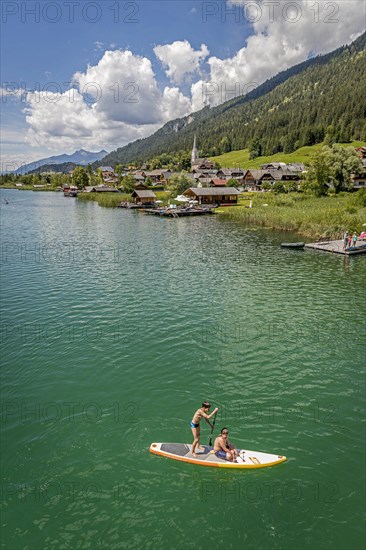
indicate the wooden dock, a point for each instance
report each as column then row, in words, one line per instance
column 178, row 212
column 133, row 205
column 336, row 247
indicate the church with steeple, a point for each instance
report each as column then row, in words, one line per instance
column 197, row 163
column 194, row 157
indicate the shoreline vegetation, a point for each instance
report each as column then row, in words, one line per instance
column 313, row 217
column 107, row 200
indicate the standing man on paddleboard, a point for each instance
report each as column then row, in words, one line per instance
column 195, row 424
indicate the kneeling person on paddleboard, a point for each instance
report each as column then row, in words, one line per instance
column 223, row 448
column 195, row 424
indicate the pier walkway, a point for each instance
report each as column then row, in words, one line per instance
column 336, row 247
column 179, row 212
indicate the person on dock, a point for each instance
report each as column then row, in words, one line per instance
column 223, row 448
column 345, row 240
column 354, row 239
column 349, row 241
column 195, row 424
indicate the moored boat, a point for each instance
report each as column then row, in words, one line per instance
column 292, row 245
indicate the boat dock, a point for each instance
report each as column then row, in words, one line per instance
column 336, row 247
column 178, row 212
column 133, row 205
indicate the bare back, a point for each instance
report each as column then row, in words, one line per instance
column 220, row 444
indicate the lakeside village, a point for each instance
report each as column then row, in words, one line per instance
column 226, row 184
column 204, row 188
column 211, row 185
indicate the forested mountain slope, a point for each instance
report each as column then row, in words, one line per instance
column 324, row 95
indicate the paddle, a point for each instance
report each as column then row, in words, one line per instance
column 213, row 427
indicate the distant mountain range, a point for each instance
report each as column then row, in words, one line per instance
column 319, row 98
column 80, row 157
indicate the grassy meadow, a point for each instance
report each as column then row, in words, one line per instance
column 240, row 159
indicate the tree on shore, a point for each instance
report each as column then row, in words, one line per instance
column 184, row 162
column 178, row 183
column 100, row 175
column 118, row 170
column 80, row 177
column 344, row 162
column 128, row 184
column 332, row 165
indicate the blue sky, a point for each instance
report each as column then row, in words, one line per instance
column 173, row 51
column 63, row 47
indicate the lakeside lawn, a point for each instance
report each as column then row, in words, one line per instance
column 308, row 215
column 240, row 159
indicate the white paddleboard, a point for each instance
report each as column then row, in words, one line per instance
column 207, row 457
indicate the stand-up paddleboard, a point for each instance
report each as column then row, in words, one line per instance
column 182, row 451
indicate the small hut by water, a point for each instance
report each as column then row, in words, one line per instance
column 144, row 197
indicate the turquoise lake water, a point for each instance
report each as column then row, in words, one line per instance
column 116, row 325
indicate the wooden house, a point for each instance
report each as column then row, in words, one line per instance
column 224, row 173
column 100, row 189
column 359, row 180
column 108, row 172
column 273, row 166
column 225, row 196
column 202, row 164
column 159, row 176
column 139, row 178
column 284, row 175
column 252, row 179
column 144, row 197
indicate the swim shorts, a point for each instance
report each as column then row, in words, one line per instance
column 221, row 454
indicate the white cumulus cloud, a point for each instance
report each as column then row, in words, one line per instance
column 180, row 59
column 113, row 102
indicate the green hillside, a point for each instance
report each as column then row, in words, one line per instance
column 299, row 107
column 240, row 159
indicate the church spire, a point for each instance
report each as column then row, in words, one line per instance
column 194, row 156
